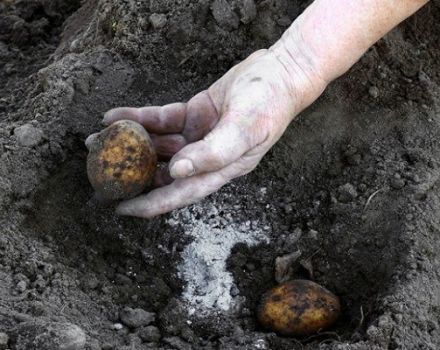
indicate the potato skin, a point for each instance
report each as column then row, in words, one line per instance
column 121, row 161
column 298, row 308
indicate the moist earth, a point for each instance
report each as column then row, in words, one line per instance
column 348, row 198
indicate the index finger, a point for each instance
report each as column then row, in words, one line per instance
column 180, row 193
column 168, row 119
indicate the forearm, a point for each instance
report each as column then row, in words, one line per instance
column 331, row 35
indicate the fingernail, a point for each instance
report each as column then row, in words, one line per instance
column 182, row 168
column 105, row 119
column 89, row 140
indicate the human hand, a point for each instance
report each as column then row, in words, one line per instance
column 221, row 133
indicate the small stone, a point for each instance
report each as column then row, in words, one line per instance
column 397, row 184
column 373, row 91
column 288, row 208
column 150, row 334
column 38, row 308
column 284, row 266
column 117, row 326
column 347, row 193
column 313, row 234
column 177, row 343
column 4, row 340
column 48, row 336
column 107, row 346
column 135, row 318
column 90, row 282
column 248, row 11
column 415, row 178
column 224, row 15
column 21, row 286
column 363, row 187
column 158, row 20
column 28, row 135
column 93, row 344
column 294, row 237
column 234, row 291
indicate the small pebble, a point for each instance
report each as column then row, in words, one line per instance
column 117, row 326
column 28, row 135
column 150, row 334
column 284, row 266
column 225, row 15
column 363, row 187
column 234, row 291
column 397, row 184
column 158, row 20
column 415, row 178
column 248, row 11
column 313, row 234
column 107, row 346
column 90, row 282
column 347, row 193
column 288, row 208
column 135, row 318
column 21, row 286
column 373, row 91
column 177, row 343
column 294, row 237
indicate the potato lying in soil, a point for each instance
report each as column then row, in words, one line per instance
column 298, row 308
column 121, row 161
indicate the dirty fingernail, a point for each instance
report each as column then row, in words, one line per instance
column 107, row 117
column 89, row 140
column 182, row 168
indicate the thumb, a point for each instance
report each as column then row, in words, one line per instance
column 226, row 143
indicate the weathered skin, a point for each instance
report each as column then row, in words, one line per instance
column 298, row 308
column 121, row 161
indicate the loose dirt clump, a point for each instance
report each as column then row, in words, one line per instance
column 352, row 188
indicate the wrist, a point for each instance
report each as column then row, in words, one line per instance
column 330, row 36
column 304, row 69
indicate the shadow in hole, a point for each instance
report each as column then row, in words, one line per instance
column 136, row 257
column 358, row 261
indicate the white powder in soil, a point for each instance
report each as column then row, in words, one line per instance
column 208, row 283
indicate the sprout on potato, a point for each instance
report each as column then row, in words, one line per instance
column 121, row 161
column 298, row 308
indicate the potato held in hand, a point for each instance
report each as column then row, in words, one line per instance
column 121, row 161
column 298, row 308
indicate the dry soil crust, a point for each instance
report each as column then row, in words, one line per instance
column 353, row 184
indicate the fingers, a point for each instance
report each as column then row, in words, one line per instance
column 162, row 177
column 225, row 144
column 201, row 117
column 193, row 119
column 180, row 193
column 167, row 146
column 90, row 139
column 168, row 119
column 183, row 192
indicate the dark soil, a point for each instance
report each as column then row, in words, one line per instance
column 353, row 184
